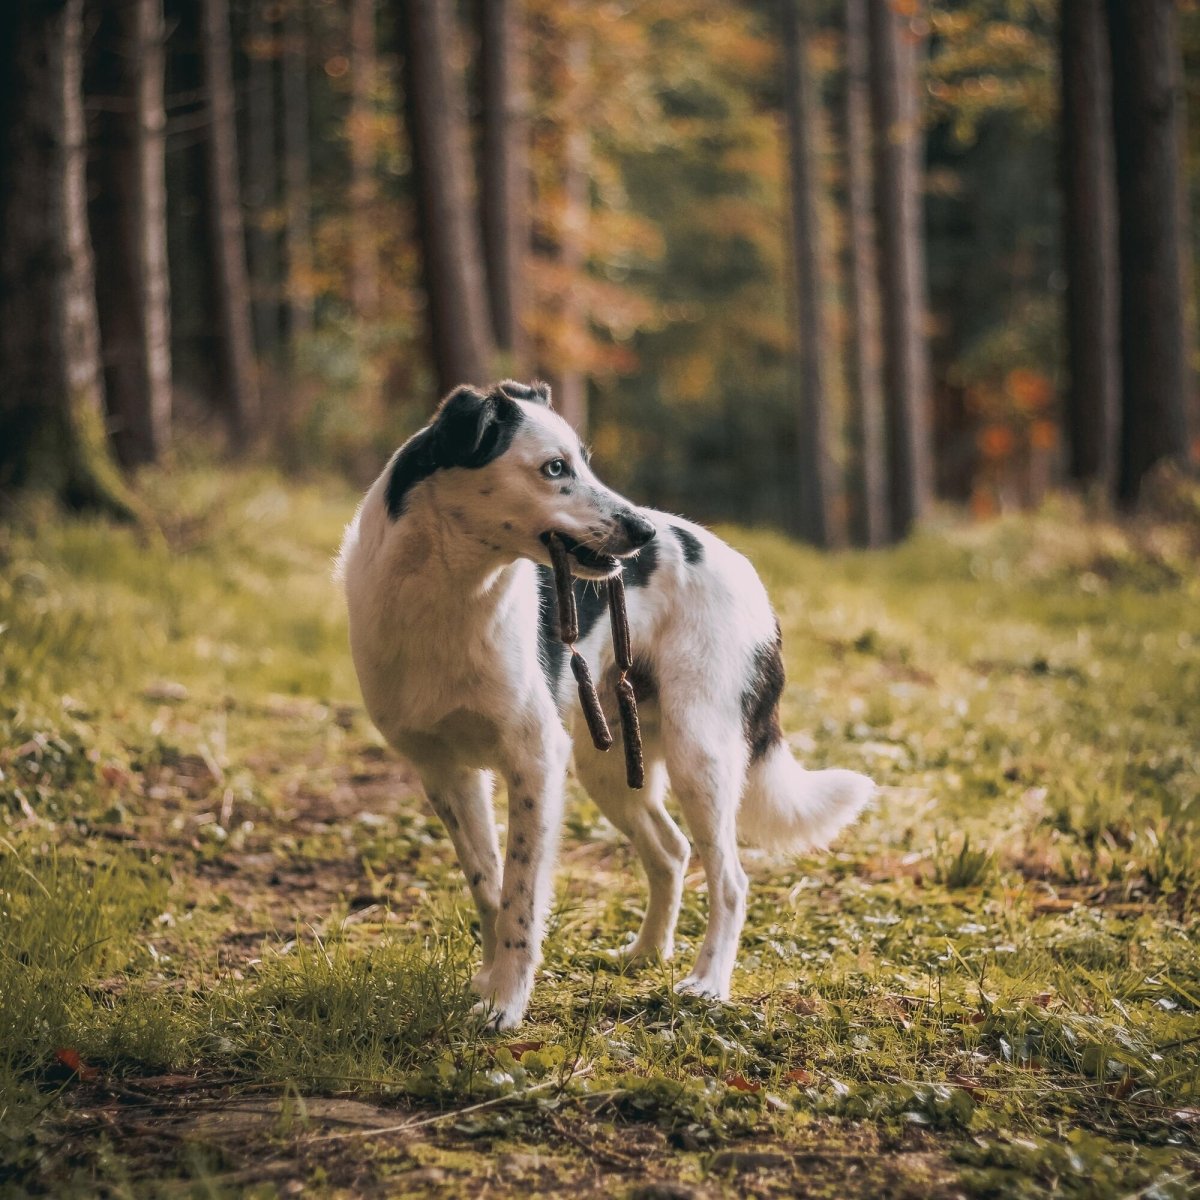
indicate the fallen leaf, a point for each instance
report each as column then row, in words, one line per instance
column 741, row 1084
column 800, row 1076
column 70, row 1059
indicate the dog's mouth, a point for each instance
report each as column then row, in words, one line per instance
column 588, row 563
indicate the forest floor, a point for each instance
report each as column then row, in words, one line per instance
column 234, row 945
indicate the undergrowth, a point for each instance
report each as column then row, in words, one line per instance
column 213, row 874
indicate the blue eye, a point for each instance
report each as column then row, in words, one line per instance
column 554, row 469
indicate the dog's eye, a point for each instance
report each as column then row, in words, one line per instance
column 554, row 469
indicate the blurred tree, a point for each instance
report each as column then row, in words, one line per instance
column 260, row 173
column 898, row 209
column 129, row 218
column 1147, row 118
column 815, row 469
column 51, row 389
column 238, row 384
column 505, row 195
column 297, row 198
column 1089, row 243
column 870, row 510
column 459, row 323
column 364, row 264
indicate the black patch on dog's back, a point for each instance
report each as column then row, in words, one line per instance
column 760, row 699
column 693, row 551
column 470, row 430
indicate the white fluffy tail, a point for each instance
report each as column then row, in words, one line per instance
column 787, row 808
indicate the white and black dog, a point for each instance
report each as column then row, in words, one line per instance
column 453, row 632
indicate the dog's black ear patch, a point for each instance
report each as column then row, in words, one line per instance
column 469, row 430
column 536, row 392
column 760, row 699
column 693, row 550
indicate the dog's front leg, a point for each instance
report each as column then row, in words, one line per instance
column 535, row 769
column 462, row 799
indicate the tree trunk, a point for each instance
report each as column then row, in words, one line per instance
column 1147, row 120
column 571, row 391
column 296, row 183
column 261, row 173
column 364, row 259
column 459, row 324
column 51, row 390
column 898, row 212
column 815, row 468
column 867, row 407
column 130, row 218
column 1089, row 243
column 238, row 374
column 504, row 178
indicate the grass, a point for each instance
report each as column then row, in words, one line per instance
column 234, row 946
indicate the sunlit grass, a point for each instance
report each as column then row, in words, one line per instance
column 1004, row 948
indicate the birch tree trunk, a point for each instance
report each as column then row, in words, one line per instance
column 238, row 370
column 130, row 218
column 460, row 334
column 51, row 390
column 898, row 213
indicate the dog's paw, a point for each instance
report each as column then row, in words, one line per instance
column 496, row 1018
column 638, row 954
column 481, row 982
column 702, row 988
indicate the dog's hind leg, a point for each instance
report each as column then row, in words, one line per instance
column 462, row 799
column 643, row 819
column 708, row 778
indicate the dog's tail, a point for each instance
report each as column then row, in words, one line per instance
column 785, row 807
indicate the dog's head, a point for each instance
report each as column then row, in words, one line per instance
column 508, row 471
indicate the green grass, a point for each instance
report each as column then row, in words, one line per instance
column 216, row 886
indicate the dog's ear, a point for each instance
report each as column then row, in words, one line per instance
column 472, row 429
column 536, row 392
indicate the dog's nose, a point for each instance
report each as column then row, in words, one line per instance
column 638, row 530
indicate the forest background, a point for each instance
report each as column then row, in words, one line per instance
column 809, row 266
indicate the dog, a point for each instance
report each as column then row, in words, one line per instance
column 453, row 633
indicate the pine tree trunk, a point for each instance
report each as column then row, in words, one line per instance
column 505, row 198
column 51, row 390
column 815, row 468
column 1089, row 244
column 459, row 324
column 571, row 389
column 129, row 216
column 238, row 373
column 261, row 174
column 898, row 212
column 867, row 407
column 296, row 184
column 1147, row 120
column 364, row 259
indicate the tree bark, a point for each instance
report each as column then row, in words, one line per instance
column 1089, row 244
column 364, row 259
column 461, row 340
column 867, row 407
column 1147, row 121
column 261, row 174
column 238, row 374
column 898, row 212
column 51, row 390
column 505, row 196
column 571, row 389
column 296, row 183
column 815, row 467
column 129, row 215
